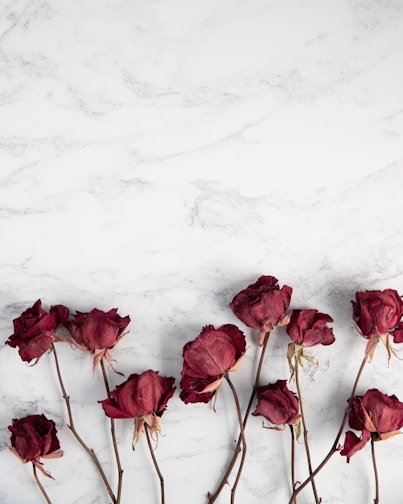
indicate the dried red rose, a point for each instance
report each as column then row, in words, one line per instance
column 377, row 312
column 34, row 437
column 262, row 305
column 377, row 415
column 277, row 404
column 206, row 360
column 98, row 332
column 142, row 397
column 377, row 315
column 308, row 328
column 34, row 330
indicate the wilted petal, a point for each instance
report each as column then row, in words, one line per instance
column 398, row 333
column 385, row 412
column 352, row 443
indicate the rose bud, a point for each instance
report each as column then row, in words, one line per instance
column 262, row 305
column 98, row 332
column 34, row 437
column 277, row 404
column 307, row 328
column 34, row 330
column 142, row 397
column 377, row 415
column 377, row 314
column 206, row 360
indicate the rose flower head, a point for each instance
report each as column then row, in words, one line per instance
column 143, row 397
column 376, row 415
column 207, row 359
column 262, row 305
column 377, row 315
column 34, row 330
column 34, row 437
column 98, row 332
column 308, row 328
column 277, row 404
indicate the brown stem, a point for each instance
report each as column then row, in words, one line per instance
column 293, row 482
column 308, row 453
column 40, row 486
column 376, row 500
column 334, row 447
column 72, row 428
column 113, row 434
column 212, row 498
column 155, row 464
column 242, row 434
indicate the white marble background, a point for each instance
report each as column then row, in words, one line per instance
column 160, row 156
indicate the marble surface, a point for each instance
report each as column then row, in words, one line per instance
column 159, row 157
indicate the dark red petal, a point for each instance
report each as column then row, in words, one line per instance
column 398, row 333
column 61, row 314
column 357, row 414
column 386, row 412
column 189, row 396
column 36, row 347
column 112, row 409
column 75, row 331
column 352, row 443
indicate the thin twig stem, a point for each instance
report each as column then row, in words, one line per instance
column 155, row 464
column 113, row 434
column 40, row 486
column 308, row 453
column 376, row 500
column 241, row 427
column 293, row 482
column 334, row 447
column 72, row 428
column 224, row 480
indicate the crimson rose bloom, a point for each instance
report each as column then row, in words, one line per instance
column 142, row 397
column 308, row 328
column 98, row 332
column 262, row 305
column 379, row 313
column 34, row 330
column 377, row 415
column 34, row 437
column 277, row 404
column 206, row 360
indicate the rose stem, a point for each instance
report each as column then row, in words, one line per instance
column 72, row 428
column 155, row 464
column 376, row 500
column 113, row 434
column 40, row 486
column 334, row 447
column 293, row 482
column 308, row 453
column 224, row 479
column 242, row 429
